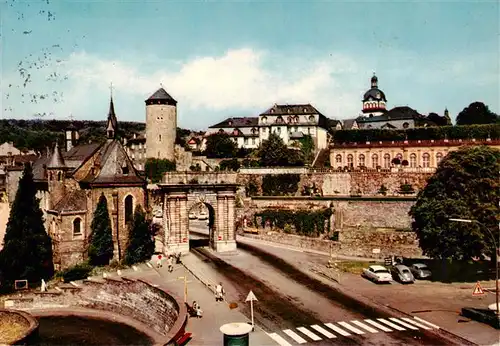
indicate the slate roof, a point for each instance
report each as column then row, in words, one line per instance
column 237, row 122
column 161, row 96
column 348, row 123
column 80, row 153
column 74, row 201
column 397, row 113
column 291, row 109
column 109, row 161
column 56, row 159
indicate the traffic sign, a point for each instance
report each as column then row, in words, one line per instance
column 250, row 297
column 478, row 290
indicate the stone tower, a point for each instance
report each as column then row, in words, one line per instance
column 161, row 125
column 56, row 171
column 72, row 136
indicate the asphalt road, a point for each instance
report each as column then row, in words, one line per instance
column 288, row 298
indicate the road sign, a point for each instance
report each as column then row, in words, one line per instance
column 250, row 298
column 478, row 290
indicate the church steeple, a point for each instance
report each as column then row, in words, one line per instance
column 56, row 160
column 112, row 125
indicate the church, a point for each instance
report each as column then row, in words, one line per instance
column 70, row 183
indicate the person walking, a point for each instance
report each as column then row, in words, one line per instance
column 170, row 263
column 219, row 292
column 197, row 309
column 158, row 262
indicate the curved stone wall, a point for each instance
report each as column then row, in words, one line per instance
column 138, row 303
column 17, row 327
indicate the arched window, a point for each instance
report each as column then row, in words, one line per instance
column 279, row 120
column 350, row 160
column 59, row 176
column 426, row 160
column 77, row 226
column 400, row 156
column 374, row 160
column 264, row 119
column 406, row 125
column 159, row 138
column 413, row 160
column 361, row 160
column 387, row 160
column 338, row 159
column 296, row 118
column 221, row 131
column 53, row 227
column 129, row 208
column 311, row 118
column 439, row 157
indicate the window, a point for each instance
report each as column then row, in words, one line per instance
column 279, row 119
column 129, row 208
column 296, row 118
column 246, row 141
column 158, row 155
column 263, row 130
column 254, row 131
column 253, row 141
column 289, row 119
column 413, row 160
column 426, row 160
column 361, row 160
column 400, row 157
column 59, row 176
column 279, row 130
column 77, row 226
column 406, row 125
column 387, row 160
column 264, row 119
column 308, row 130
column 311, row 118
column 350, row 160
column 338, row 159
column 159, row 138
column 439, row 157
column 125, row 170
column 374, row 160
column 221, row 131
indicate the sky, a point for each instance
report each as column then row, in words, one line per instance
column 220, row 59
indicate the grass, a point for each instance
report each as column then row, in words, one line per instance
column 353, row 267
column 12, row 326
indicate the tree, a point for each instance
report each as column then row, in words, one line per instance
column 141, row 245
column 27, row 251
column 465, row 185
column 156, row 168
column 307, row 147
column 221, row 146
column 273, row 152
column 476, row 113
column 438, row 120
column 101, row 238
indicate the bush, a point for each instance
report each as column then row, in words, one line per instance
column 77, row 272
column 155, row 168
column 280, row 184
column 252, row 188
column 382, row 190
column 305, row 222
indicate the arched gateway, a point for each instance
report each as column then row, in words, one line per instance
column 183, row 192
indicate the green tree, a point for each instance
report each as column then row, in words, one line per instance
column 307, row 147
column 437, row 119
column 156, row 168
column 220, row 145
column 466, row 186
column 101, row 238
column 476, row 113
column 141, row 244
column 27, row 251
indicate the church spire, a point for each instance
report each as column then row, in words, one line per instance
column 112, row 125
column 56, row 160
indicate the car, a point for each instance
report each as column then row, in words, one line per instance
column 402, row 273
column 420, row 271
column 377, row 273
column 203, row 216
column 192, row 216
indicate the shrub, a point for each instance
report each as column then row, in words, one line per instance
column 305, row 222
column 252, row 188
column 406, row 189
column 77, row 272
column 280, row 184
column 383, row 190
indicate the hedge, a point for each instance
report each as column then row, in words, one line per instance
column 305, row 222
column 419, row 133
column 77, row 272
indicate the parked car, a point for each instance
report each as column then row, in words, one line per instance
column 203, row 216
column 420, row 271
column 402, row 274
column 192, row 216
column 377, row 273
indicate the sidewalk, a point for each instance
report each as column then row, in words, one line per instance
column 200, row 282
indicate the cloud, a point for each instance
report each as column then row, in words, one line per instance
column 246, row 81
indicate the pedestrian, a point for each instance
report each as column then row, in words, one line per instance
column 219, row 292
column 170, row 263
column 158, row 262
column 197, row 309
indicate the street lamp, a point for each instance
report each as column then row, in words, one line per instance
column 497, row 252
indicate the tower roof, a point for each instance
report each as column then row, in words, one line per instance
column 161, row 97
column 56, row 160
column 112, row 125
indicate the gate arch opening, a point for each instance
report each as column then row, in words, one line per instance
column 201, row 223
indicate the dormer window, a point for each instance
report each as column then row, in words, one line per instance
column 230, row 123
column 221, row 131
column 264, row 119
column 125, row 170
column 305, row 110
column 289, row 111
column 311, row 118
column 279, row 120
column 272, row 110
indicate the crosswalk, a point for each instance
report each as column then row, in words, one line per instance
column 316, row 332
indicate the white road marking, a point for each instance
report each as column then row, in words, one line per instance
column 390, row 324
column 309, row 333
column 351, row 328
column 424, row 321
column 149, row 265
column 279, row 339
column 394, row 319
column 409, row 320
column 294, row 336
column 378, row 325
column 364, row 326
column 337, row 329
column 323, row 331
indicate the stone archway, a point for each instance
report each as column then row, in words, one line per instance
column 179, row 199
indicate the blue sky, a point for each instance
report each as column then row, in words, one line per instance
column 237, row 58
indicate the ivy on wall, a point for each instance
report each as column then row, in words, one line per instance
column 303, row 222
column 280, row 184
column 419, row 133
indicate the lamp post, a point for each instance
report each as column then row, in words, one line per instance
column 497, row 252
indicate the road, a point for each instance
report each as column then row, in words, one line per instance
column 290, row 300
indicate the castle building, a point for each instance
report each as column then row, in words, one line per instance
column 161, row 125
column 244, row 131
column 70, row 184
column 374, row 101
